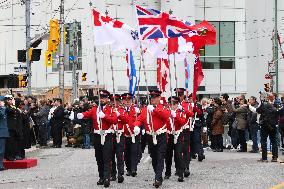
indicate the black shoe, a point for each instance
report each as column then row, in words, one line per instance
column 201, row 157
column 2, row 169
column 274, row 159
column 263, row 160
column 128, row 173
column 133, row 173
column 186, row 173
column 205, row 146
column 106, row 183
column 10, row 159
column 241, row 151
column 253, row 151
column 113, row 178
column 19, row 158
column 180, row 179
column 100, row 182
column 120, row 179
column 219, row 150
column 167, row 177
column 194, row 156
column 157, row 184
column 229, row 147
column 68, row 145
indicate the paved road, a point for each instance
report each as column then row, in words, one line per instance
column 76, row 168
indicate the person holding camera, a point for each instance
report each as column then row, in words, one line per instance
column 269, row 112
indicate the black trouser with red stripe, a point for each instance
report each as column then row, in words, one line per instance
column 103, row 155
column 131, row 153
column 186, row 147
column 118, row 152
column 178, row 156
column 157, row 153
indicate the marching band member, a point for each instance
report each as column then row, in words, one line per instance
column 154, row 118
column 118, row 141
column 103, row 118
column 175, row 139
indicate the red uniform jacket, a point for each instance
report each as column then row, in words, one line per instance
column 128, row 118
column 120, row 121
column 187, row 107
column 179, row 121
column 160, row 115
column 109, row 119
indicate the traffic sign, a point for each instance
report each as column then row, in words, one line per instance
column 267, row 76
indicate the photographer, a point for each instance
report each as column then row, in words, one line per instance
column 42, row 120
column 268, row 121
column 57, row 123
column 253, row 125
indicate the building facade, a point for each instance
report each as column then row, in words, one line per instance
column 236, row 64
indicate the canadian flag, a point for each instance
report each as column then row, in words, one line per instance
column 163, row 76
column 108, row 31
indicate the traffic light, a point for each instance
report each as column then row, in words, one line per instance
column 30, row 53
column 66, row 36
column 266, row 87
column 48, row 58
column 22, row 80
column 84, row 76
column 54, row 36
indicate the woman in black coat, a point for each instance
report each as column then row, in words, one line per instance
column 14, row 123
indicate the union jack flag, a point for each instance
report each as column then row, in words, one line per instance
column 153, row 24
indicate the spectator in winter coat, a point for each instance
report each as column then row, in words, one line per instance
column 42, row 119
column 253, row 124
column 4, row 133
column 217, row 127
column 241, row 121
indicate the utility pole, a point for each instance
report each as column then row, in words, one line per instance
column 28, row 45
column 75, row 62
column 61, row 53
column 276, row 48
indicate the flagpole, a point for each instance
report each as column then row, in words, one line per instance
column 147, row 88
column 171, row 89
column 98, row 83
column 175, row 66
column 112, row 76
column 138, row 88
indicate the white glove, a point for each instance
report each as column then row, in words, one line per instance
column 204, row 129
column 150, row 108
column 117, row 113
column 173, row 113
column 180, row 107
column 101, row 114
column 80, row 116
column 137, row 110
column 136, row 130
column 143, row 131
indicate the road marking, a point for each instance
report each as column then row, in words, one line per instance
column 278, row 186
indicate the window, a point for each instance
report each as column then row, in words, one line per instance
column 221, row 55
column 70, row 30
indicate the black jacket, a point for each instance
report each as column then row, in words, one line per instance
column 268, row 114
column 210, row 112
column 58, row 116
column 14, row 120
column 252, row 117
